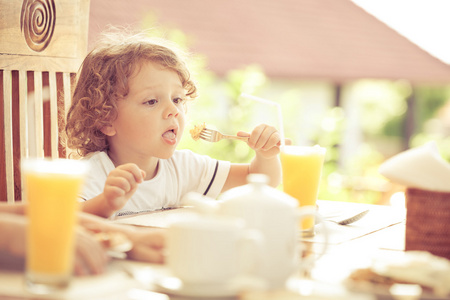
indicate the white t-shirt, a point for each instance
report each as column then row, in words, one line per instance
column 184, row 172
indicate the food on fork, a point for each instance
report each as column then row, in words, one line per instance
column 195, row 132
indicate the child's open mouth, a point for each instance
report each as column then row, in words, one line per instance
column 170, row 136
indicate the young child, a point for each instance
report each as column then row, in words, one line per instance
column 127, row 117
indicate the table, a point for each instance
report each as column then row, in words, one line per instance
column 380, row 232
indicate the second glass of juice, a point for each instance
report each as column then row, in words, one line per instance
column 302, row 169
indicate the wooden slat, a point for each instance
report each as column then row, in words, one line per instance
column 23, row 100
column 23, row 108
column 67, row 92
column 38, row 115
column 9, row 159
column 54, row 139
column 67, row 98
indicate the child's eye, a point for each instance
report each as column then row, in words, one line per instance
column 178, row 100
column 151, row 102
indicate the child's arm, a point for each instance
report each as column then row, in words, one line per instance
column 265, row 140
column 148, row 243
column 17, row 208
column 13, row 237
column 120, row 185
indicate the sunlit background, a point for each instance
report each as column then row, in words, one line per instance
column 372, row 121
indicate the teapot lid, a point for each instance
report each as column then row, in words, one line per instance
column 257, row 186
column 258, row 178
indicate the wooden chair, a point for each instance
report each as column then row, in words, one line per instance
column 42, row 44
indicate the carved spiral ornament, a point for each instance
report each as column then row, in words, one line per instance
column 37, row 22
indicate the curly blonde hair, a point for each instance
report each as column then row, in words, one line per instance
column 103, row 80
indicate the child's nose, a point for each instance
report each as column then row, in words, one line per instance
column 171, row 110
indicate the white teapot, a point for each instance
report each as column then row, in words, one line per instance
column 272, row 212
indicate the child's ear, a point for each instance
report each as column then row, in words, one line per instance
column 108, row 130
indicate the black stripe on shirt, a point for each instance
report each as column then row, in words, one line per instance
column 212, row 179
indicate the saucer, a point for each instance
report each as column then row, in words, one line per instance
column 176, row 287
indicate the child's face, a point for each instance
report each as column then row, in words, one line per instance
column 151, row 119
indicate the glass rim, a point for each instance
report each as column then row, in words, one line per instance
column 55, row 166
column 294, row 149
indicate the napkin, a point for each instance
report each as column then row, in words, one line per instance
column 420, row 167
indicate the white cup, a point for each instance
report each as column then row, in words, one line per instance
column 213, row 251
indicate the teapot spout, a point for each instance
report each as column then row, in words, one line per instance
column 202, row 204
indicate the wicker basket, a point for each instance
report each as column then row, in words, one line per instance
column 428, row 221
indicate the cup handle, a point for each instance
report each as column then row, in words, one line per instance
column 307, row 211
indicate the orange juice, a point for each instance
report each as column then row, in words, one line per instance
column 302, row 168
column 52, row 209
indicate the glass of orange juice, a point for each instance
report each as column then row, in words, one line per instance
column 51, row 188
column 302, row 169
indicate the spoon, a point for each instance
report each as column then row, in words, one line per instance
column 349, row 220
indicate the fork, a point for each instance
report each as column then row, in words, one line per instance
column 211, row 135
column 350, row 220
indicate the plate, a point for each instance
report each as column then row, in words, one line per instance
column 174, row 286
column 382, row 292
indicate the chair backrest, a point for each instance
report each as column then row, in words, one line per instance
column 42, row 45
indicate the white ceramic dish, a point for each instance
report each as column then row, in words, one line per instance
column 174, row 286
column 382, row 293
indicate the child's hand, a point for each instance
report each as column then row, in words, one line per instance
column 264, row 139
column 121, row 184
column 90, row 256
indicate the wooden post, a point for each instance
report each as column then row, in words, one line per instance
column 410, row 120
